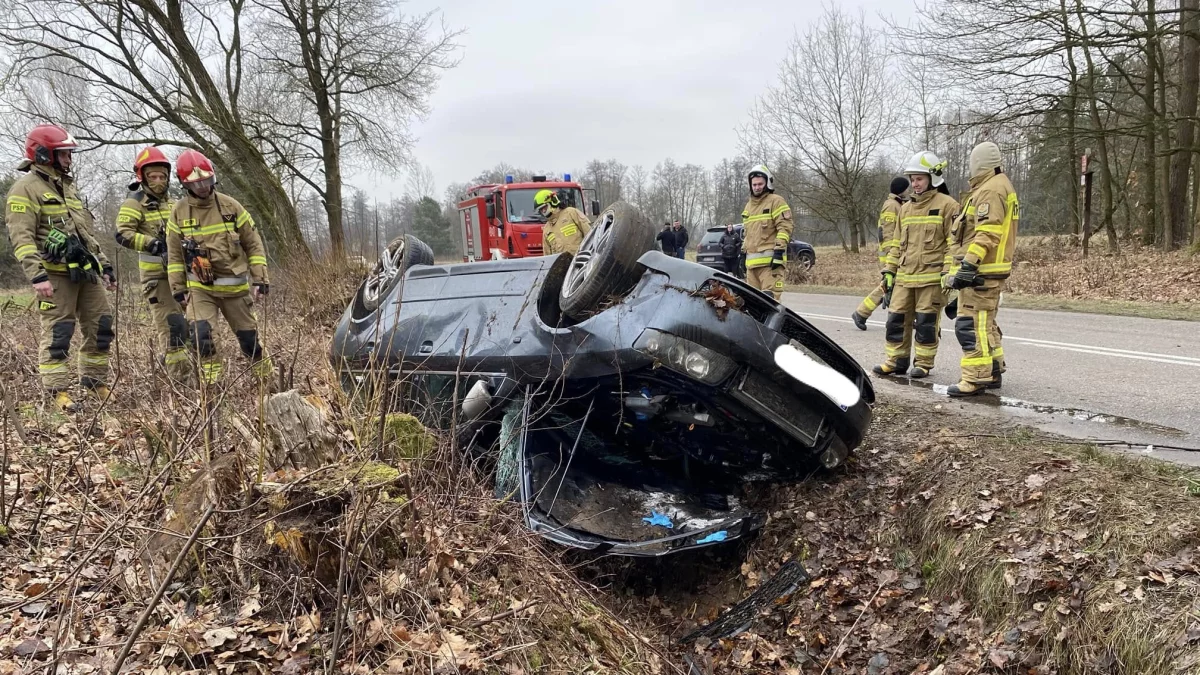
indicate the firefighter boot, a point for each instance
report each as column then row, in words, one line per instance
column 100, row 392
column 860, row 321
column 64, row 403
column 918, row 372
column 964, row 388
column 997, row 374
column 885, row 369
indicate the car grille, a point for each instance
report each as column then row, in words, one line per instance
column 780, row 406
column 794, row 330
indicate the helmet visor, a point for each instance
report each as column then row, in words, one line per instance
column 201, row 186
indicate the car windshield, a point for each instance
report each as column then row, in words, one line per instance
column 712, row 237
column 520, row 204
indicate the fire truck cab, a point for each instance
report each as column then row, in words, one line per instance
column 500, row 221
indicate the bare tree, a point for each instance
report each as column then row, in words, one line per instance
column 421, row 182
column 607, row 177
column 141, row 74
column 1178, row 227
column 352, row 75
column 829, row 114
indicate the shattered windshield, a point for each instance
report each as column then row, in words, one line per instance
column 520, row 204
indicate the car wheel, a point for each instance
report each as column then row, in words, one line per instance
column 806, row 260
column 606, row 264
column 394, row 260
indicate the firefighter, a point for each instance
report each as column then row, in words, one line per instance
column 982, row 244
column 767, row 231
column 52, row 238
column 216, row 264
column 565, row 226
column 141, row 226
column 916, row 272
column 888, row 249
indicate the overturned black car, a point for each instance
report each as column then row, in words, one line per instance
column 626, row 397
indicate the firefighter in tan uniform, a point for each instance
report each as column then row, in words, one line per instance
column 565, row 226
column 216, row 264
column 51, row 235
column 889, row 245
column 923, row 257
column 983, row 242
column 767, row 223
column 141, row 227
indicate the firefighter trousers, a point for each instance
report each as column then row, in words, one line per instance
column 914, row 312
column 767, row 279
column 978, row 334
column 84, row 304
column 238, row 310
column 869, row 303
column 171, row 326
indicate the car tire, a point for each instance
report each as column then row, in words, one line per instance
column 401, row 254
column 606, row 264
column 806, row 260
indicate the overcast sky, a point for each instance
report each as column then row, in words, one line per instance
column 552, row 85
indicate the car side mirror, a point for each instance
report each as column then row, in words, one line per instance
column 490, row 211
column 595, row 207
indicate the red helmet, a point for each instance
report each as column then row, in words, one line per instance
column 44, row 139
column 148, row 156
column 192, row 167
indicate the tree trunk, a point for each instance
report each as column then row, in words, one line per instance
column 1101, row 139
column 1178, row 226
column 332, row 160
column 1149, row 164
column 1071, row 112
column 1164, row 145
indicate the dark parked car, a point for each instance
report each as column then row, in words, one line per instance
column 625, row 397
column 708, row 251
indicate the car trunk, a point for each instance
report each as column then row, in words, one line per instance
column 709, row 249
column 619, row 472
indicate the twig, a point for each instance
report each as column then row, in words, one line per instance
column 338, row 610
column 842, row 642
column 503, row 615
column 162, row 588
column 10, row 410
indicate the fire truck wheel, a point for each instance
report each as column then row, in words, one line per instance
column 606, row 265
column 388, row 273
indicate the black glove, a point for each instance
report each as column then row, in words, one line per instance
column 952, row 309
column 107, row 271
column 157, row 247
column 777, row 258
column 263, row 289
column 965, row 277
column 55, row 246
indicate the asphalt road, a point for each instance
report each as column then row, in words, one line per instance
column 1082, row 375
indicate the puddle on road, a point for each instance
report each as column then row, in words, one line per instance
column 1015, row 404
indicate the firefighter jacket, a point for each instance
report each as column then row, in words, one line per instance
column 221, row 230
column 925, row 224
column 564, row 230
column 142, row 219
column 986, row 232
column 889, row 231
column 39, row 201
column 767, row 222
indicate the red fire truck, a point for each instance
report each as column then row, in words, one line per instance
column 499, row 220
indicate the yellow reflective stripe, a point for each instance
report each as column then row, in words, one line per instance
column 205, row 230
column 926, row 351
column 921, row 220
column 25, row 250
column 549, row 236
column 892, row 260
column 978, row 250
column 869, row 304
column 233, row 288
column 176, row 267
column 981, row 333
column 258, row 260
column 994, row 229
column 131, row 212
column 172, row 227
column 18, row 199
column 780, row 211
column 139, row 241
column 997, row 353
column 53, row 367
column 569, row 230
column 761, row 216
column 782, row 236
column 54, row 210
column 74, row 203
column 889, row 243
column 151, row 266
column 210, row 372
column 976, row 361
column 153, row 217
column 177, row 355
column 918, row 278
column 970, row 210
column 243, row 218
column 93, row 359
column 995, row 268
column 948, row 260
column 887, row 216
column 895, row 351
column 1011, row 213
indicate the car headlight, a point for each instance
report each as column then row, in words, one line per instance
column 684, row 356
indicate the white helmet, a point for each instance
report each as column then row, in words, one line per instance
column 927, row 163
column 762, row 170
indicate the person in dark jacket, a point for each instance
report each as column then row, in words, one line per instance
column 666, row 240
column 681, row 240
column 731, row 249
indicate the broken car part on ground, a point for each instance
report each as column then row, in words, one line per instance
column 624, row 396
